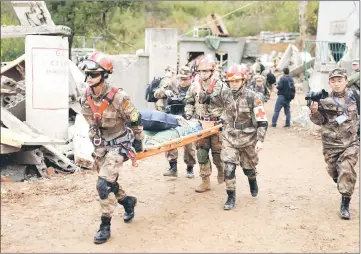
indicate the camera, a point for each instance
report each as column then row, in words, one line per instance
column 315, row 96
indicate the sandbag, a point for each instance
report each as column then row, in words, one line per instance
column 153, row 120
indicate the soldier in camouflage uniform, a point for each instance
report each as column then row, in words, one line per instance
column 167, row 89
column 111, row 138
column 354, row 80
column 244, row 129
column 259, row 86
column 189, row 150
column 167, row 83
column 204, row 97
column 339, row 119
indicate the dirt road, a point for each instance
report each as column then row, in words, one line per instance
column 296, row 209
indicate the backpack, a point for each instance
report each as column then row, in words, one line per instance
column 357, row 99
column 151, row 88
column 291, row 91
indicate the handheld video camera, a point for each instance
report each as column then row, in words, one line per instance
column 175, row 106
column 315, row 96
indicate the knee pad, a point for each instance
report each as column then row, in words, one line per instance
column 104, row 188
column 229, row 171
column 202, row 156
column 250, row 173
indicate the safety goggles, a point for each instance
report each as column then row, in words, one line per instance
column 234, row 76
column 91, row 65
column 92, row 74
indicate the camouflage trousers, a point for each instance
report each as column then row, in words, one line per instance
column 341, row 166
column 213, row 143
column 108, row 166
column 246, row 157
column 189, row 155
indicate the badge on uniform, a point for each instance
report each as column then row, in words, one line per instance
column 259, row 113
column 341, row 119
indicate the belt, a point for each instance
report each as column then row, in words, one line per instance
column 209, row 118
column 117, row 140
column 239, row 126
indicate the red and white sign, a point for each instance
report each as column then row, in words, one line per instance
column 259, row 113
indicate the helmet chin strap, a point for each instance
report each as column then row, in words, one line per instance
column 98, row 83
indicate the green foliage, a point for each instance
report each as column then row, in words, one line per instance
column 121, row 24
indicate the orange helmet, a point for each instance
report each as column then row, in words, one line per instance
column 207, row 64
column 98, row 62
column 236, row 72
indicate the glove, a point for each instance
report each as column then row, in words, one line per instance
column 169, row 93
column 138, row 145
column 259, row 146
column 220, row 121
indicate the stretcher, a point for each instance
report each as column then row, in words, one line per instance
column 207, row 129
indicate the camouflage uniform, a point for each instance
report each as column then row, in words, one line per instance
column 340, row 142
column 108, row 161
column 354, row 80
column 189, row 150
column 260, row 90
column 245, row 123
column 207, row 107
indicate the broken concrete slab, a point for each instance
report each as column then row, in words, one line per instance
column 301, row 68
column 50, row 152
column 5, row 149
column 34, row 157
column 83, row 147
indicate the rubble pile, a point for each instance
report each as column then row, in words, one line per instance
column 25, row 152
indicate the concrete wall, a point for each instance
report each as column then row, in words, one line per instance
column 131, row 73
column 233, row 46
column 47, row 84
column 161, row 45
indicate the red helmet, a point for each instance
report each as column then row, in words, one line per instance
column 98, row 62
column 236, row 72
column 207, row 64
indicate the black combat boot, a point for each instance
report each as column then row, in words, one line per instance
column 344, row 211
column 253, row 187
column 190, row 173
column 172, row 171
column 231, row 200
column 128, row 203
column 103, row 233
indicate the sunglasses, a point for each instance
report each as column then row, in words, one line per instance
column 93, row 74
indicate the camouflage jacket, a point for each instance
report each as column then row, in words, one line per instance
column 165, row 84
column 354, row 80
column 195, row 103
column 335, row 135
column 114, row 118
column 245, row 121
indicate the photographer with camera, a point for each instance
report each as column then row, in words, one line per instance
column 338, row 115
column 176, row 104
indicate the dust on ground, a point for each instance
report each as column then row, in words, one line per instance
column 296, row 210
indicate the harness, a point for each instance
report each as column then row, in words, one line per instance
column 211, row 87
column 97, row 113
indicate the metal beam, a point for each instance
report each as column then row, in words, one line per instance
column 22, row 31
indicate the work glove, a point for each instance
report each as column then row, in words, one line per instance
column 138, row 145
column 169, row 93
column 220, row 121
column 259, row 146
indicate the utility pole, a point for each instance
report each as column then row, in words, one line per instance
column 302, row 20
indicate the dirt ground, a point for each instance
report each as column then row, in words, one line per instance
column 297, row 209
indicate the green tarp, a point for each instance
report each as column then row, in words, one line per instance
column 212, row 42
